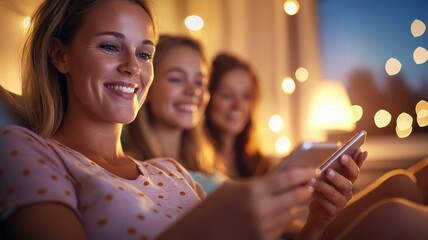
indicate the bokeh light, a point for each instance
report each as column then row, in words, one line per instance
column 404, row 121
column 194, row 23
column 276, row 123
column 302, row 74
column 357, row 112
column 26, row 22
column 417, row 28
column 291, row 7
column 392, row 66
column 422, row 113
column 403, row 133
column 382, row 118
column 288, row 85
column 422, row 121
column 282, row 145
column 421, row 106
column 420, row 55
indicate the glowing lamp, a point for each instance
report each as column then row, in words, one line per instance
column 330, row 108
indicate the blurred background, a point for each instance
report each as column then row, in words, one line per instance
column 327, row 68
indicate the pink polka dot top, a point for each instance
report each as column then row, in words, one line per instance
column 34, row 169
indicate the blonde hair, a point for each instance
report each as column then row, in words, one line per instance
column 44, row 91
column 196, row 151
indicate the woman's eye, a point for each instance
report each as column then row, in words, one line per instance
column 109, row 47
column 248, row 97
column 174, row 79
column 225, row 95
column 145, row 56
column 199, row 82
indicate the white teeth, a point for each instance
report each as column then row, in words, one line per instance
column 188, row 108
column 121, row 88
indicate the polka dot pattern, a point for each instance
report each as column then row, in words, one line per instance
column 14, row 153
column 51, row 172
column 132, row 231
column 26, row 173
column 102, row 222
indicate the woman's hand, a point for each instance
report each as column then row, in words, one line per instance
column 259, row 208
column 333, row 192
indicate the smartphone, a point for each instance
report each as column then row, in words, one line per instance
column 309, row 153
column 350, row 148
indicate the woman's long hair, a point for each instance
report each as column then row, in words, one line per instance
column 196, row 152
column 249, row 160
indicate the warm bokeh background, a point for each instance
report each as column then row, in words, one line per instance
column 374, row 52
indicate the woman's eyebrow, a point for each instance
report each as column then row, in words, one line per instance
column 112, row 33
column 122, row 36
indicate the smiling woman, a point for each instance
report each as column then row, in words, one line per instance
column 170, row 123
column 87, row 70
column 230, row 117
column 95, row 78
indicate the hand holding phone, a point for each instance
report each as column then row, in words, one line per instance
column 308, row 153
column 351, row 148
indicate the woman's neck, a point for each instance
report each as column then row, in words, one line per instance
column 169, row 140
column 228, row 155
column 100, row 144
column 227, row 146
column 100, row 140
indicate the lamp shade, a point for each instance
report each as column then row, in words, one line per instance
column 330, row 107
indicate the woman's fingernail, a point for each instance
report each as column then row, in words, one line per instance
column 312, row 182
column 331, row 173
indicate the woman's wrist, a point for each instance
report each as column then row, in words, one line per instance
column 310, row 233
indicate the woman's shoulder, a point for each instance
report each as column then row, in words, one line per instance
column 14, row 135
column 18, row 133
column 22, row 143
column 15, row 127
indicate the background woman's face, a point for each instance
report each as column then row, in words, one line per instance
column 179, row 95
column 231, row 103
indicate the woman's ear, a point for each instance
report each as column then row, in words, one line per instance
column 57, row 54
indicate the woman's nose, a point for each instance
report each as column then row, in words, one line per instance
column 236, row 103
column 193, row 90
column 130, row 65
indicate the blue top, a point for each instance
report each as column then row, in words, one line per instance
column 210, row 183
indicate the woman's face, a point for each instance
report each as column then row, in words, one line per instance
column 108, row 63
column 231, row 103
column 179, row 95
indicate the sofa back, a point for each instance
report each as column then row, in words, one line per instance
column 8, row 115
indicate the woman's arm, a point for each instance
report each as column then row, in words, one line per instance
column 258, row 208
column 44, row 221
column 332, row 194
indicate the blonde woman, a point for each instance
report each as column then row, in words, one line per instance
column 87, row 72
column 170, row 122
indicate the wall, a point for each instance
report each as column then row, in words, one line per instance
column 13, row 33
